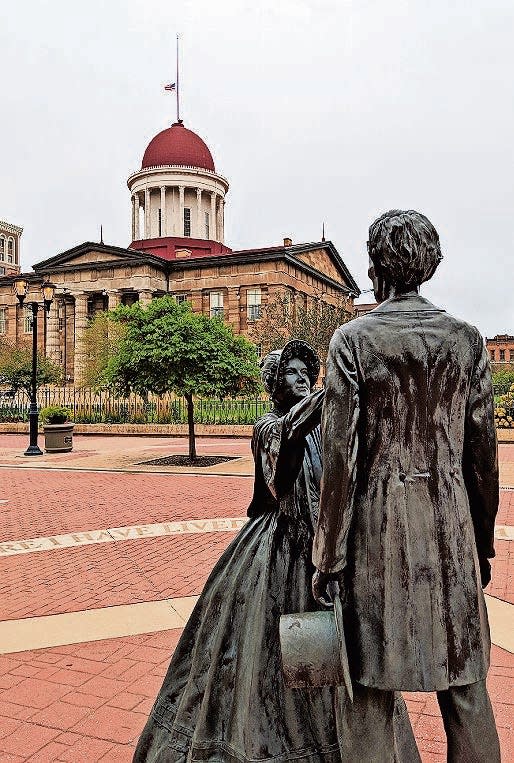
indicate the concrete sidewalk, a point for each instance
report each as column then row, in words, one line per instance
column 125, row 454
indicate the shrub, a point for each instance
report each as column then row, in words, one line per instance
column 503, row 381
column 504, row 411
column 55, row 414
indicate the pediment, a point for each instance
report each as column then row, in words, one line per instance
column 91, row 258
column 323, row 257
column 320, row 259
column 90, row 254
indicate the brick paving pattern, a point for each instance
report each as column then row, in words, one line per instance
column 89, row 701
column 103, row 575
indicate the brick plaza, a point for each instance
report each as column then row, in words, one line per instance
column 101, row 559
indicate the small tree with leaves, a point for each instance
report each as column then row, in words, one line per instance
column 100, row 342
column 16, row 368
column 168, row 348
column 285, row 318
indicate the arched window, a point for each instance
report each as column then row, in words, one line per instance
column 2, row 248
column 10, row 250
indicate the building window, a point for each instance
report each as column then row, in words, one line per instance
column 180, row 298
column 3, row 322
column 160, row 223
column 2, row 271
column 2, row 248
column 207, row 229
column 502, row 356
column 187, row 221
column 216, row 304
column 258, row 350
column 10, row 250
column 253, row 303
column 27, row 320
column 492, row 355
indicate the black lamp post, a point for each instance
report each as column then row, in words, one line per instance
column 21, row 288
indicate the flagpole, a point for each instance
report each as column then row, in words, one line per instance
column 177, row 89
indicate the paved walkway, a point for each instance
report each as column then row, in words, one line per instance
column 101, row 561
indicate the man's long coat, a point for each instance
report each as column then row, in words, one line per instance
column 409, row 494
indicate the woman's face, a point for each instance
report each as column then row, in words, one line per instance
column 295, row 384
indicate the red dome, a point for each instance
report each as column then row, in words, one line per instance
column 177, row 145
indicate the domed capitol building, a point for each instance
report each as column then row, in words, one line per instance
column 177, row 247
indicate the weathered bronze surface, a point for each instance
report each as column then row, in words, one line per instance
column 309, row 645
column 224, row 697
column 410, row 494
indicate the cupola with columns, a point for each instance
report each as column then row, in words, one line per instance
column 178, row 198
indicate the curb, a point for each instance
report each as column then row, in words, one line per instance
column 156, row 430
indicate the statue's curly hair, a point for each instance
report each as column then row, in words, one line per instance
column 404, row 247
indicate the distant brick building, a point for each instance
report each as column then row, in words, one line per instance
column 501, row 349
column 9, row 248
column 177, row 247
column 362, row 309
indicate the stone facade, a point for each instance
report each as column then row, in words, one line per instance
column 235, row 285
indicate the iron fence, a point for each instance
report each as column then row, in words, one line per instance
column 102, row 407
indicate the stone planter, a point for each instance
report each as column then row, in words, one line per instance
column 58, row 437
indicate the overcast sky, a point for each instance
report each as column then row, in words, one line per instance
column 315, row 110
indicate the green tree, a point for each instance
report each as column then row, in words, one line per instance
column 503, row 379
column 101, row 340
column 16, row 368
column 168, row 348
column 284, row 318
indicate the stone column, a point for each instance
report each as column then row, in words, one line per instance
column 114, row 299
column 163, row 211
column 218, row 221
column 145, row 297
column 136, row 216
column 212, row 218
column 53, row 344
column 147, row 213
column 199, row 227
column 80, row 326
column 222, row 219
column 181, row 211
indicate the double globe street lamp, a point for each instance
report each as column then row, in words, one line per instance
column 21, row 288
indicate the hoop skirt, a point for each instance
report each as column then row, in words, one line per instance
column 223, row 698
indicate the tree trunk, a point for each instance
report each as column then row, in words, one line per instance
column 191, row 427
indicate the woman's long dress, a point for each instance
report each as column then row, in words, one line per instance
column 223, row 698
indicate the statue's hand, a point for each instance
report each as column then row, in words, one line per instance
column 320, row 581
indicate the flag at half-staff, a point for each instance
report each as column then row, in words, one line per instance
column 171, row 87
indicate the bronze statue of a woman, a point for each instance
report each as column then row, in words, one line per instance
column 224, row 698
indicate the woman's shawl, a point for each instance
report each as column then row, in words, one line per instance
column 279, row 448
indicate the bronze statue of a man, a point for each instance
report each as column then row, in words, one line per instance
column 408, row 501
